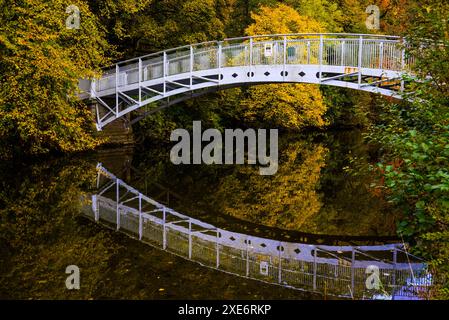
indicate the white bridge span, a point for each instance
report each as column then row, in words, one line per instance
column 370, row 63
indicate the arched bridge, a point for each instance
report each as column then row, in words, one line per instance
column 370, row 63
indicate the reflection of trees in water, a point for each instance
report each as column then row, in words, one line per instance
column 42, row 232
column 285, row 200
column 351, row 206
column 41, row 235
column 322, row 186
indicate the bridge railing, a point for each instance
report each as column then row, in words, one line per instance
column 333, row 270
column 349, row 50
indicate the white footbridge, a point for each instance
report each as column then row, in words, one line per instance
column 367, row 62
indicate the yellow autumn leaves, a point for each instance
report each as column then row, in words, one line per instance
column 281, row 19
column 284, row 105
column 290, row 106
column 40, row 64
column 285, row 200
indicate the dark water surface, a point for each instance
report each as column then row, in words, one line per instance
column 320, row 194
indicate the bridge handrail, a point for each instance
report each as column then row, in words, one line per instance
column 217, row 42
column 368, row 62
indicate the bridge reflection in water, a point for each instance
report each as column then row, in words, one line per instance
column 330, row 270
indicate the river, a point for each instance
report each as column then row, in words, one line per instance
column 323, row 194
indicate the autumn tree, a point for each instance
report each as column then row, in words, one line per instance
column 117, row 17
column 396, row 16
column 241, row 11
column 354, row 15
column 140, row 27
column 41, row 61
column 326, row 12
column 291, row 106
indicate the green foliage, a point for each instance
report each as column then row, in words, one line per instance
column 139, row 27
column 416, row 137
column 117, row 14
column 240, row 15
column 350, row 108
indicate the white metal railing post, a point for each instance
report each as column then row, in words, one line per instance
column 308, row 52
column 250, row 62
column 190, row 238
column 247, row 257
column 191, row 66
column 140, row 217
column 403, row 56
column 218, row 249
column 219, row 61
column 393, row 280
column 285, row 57
column 314, row 268
column 360, row 60
column 402, row 66
column 353, row 271
column 343, row 43
column 117, row 73
column 280, row 263
column 164, row 231
column 92, row 88
column 164, row 73
column 321, row 56
column 117, row 183
column 96, row 208
column 381, row 55
column 140, row 81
